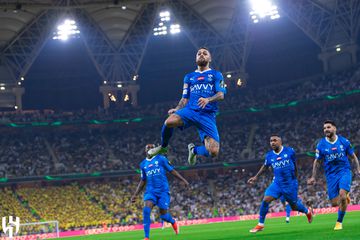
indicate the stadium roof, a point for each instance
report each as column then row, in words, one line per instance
column 111, row 17
column 116, row 32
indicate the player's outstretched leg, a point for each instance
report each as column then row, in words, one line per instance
column 264, row 208
column 288, row 212
column 147, row 221
column 211, row 148
column 165, row 216
column 166, row 132
column 342, row 202
column 299, row 206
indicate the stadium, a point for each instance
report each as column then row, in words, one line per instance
column 89, row 100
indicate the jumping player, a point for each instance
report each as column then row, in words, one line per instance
column 202, row 89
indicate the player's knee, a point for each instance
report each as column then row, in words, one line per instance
column 342, row 198
column 163, row 211
column 293, row 207
column 213, row 152
column 334, row 203
column 267, row 199
column 171, row 122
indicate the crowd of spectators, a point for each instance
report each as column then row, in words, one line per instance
column 85, row 148
column 67, row 204
column 121, row 147
column 105, row 202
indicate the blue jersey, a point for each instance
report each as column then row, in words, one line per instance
column 203, row 84
column 283, row 164
column 153, row 171
column 334, row 155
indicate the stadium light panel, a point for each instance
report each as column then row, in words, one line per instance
column 175, row 28
column 112, row 98
column 262, row 10
column 165, row 25
column 126, row 98
column 164, row 14
column 66, row 30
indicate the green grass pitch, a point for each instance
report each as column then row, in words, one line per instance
column 275, row 229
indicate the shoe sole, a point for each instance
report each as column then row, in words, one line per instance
column 193, row 162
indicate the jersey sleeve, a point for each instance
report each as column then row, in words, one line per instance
column 318, row 154
column 349, row 148
column 293, row 155
column 167, row 164
column 267, row 161
column 186, row 87
column 220, row 83
column 142, row 173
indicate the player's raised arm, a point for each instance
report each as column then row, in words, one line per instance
column 139, row 188
column 218, row 96
column 261, row 170
column 202, row 102
column 182, row 103
column 184, row 99
column 316, row 165
column 355, row 161
column 315, row 168
column 181, row 178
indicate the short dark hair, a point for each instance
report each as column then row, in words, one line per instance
column 330, row 122
column 204, row 48
column 275, row 135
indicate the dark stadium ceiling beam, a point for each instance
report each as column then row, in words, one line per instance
column 229, row 52
column 117, row 64
column 22, row 51
column 327, row 27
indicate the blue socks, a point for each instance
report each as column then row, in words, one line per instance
column 301, row 208
column 167, row 217
column 288, row 210
column 146, row 214
column 147, row 221
column 201, row 151
column 264, row 208
column 341, row 215
column 166, row 134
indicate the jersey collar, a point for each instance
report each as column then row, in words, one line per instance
column 282, row 148
column 330, row 141
column 202, row 71
column 149, row 159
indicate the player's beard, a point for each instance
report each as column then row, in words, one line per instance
column 329, row 134
column 202, row 62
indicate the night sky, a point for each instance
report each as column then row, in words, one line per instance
column 64, row 78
